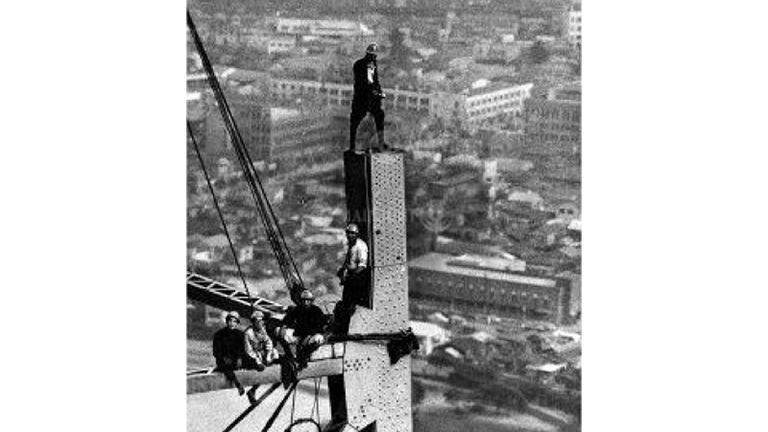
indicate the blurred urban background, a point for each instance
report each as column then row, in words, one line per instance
column 484, row 97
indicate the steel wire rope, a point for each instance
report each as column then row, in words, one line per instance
column 273, row 232
column 301, row 421
column 293, row 406
column 218, row 210
column 316, row 403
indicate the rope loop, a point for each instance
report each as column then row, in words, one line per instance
column 304, row 421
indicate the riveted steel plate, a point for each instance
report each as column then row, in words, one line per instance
column 387, row 183
column 376, row 390
column 390, row 303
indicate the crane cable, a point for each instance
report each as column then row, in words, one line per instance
column 218, row 210
column 316, row 403
column 315, row 410
column 275, row 236
column 243, row 156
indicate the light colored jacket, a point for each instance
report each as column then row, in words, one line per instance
column 258, row 345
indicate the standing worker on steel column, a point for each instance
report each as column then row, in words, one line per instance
column 367, row 97
column 353, row 277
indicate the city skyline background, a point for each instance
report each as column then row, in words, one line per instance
column 485, row 100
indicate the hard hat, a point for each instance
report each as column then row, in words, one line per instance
column 353, row 228
column 372, row 48
column 232, row 314
column 307, row 295
column 256, row 314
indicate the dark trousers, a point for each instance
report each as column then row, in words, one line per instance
column 355, row 288
column 228, row 367
column 249, row 363
column 342, row 314
column 358, row 114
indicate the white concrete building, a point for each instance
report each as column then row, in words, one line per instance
column 484, row 104
column 280, row 44
column 574, row 24
column 488, row 102
column 322, row 28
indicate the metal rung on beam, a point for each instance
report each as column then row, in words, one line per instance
column 224, row 297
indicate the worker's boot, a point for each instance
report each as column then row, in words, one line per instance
column 382, row 144
column 252, row 395
column 352, row 135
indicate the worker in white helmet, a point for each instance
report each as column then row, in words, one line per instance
column 353, row 277
column 356, row 258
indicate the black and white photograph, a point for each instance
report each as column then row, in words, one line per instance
column 383, row 215
column 367, row 216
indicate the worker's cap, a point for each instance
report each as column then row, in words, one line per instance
column 353, row 228
column 232, row 314
column 307, row 295
column 257, row 315
column 372, row 48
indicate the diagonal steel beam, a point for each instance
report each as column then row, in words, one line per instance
column 225, row 297
column 279, row 407
column 252, row 407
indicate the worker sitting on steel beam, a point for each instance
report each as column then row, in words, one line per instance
column 259, row 349
column 303, row 328
column 228, row 349
column 353, row 277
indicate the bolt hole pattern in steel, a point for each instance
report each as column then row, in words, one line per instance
column 376, row 390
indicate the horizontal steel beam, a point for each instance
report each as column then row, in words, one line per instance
column 216, row 380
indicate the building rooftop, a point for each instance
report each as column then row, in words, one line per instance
column 481, row 262
column 278, row 113
column 440, row 262
column 426, row 329
column 493, row 87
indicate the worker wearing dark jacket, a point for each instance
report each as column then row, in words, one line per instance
column 304, row 326
column 367, row 96
column 229, row 348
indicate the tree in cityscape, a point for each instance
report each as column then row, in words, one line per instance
column 435, row 219
column 417, row 392
column 502, row 396
column 538, row 53
column 398, row 52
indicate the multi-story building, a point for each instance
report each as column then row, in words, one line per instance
column 574, row 24
column 483, row 104
column 340, row 95
column 490, row 102
column 445, row 279
column 292, row 137
column 280, row 44
column 279, row 135
column 553, row 125
column 322, row 28
column 196, row 82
